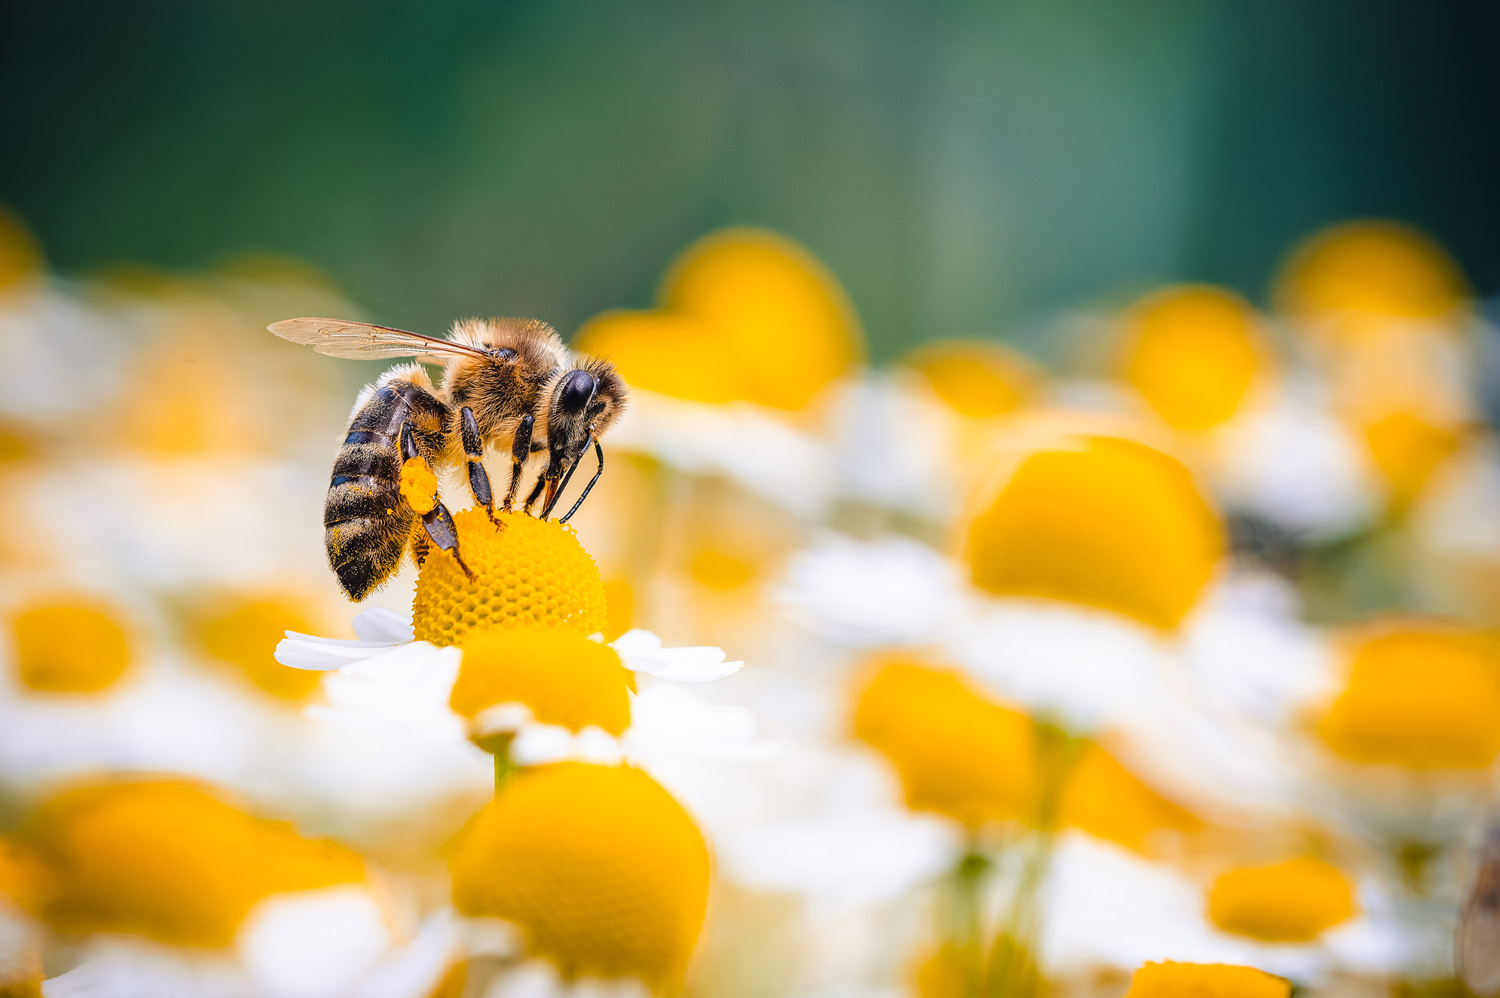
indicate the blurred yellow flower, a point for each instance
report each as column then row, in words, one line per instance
column 171, row 860
column 1406, row 448
column 665, row 352
column 1294, row 901
column 787, row 325
column 958, row 753
column 70, row 645
column 619, row 597
column 1205, row 980
column 1108, row 801
column 605, row 873
column 1419, row 694
column 1373, row 267
column 24, row 880
column 563, row 677
column 976, row 379
column 1194, row 352
column 20, row 256
column 243, row 630
column 528, row 573
column 1104, row 522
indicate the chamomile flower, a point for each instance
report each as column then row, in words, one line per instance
column 513, row 652
column 174, row 889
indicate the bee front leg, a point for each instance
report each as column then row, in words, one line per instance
column 520, row 450
column 419, row 488
column 479, row 479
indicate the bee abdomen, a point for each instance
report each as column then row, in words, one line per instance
column 366, row 522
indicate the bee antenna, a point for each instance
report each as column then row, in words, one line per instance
column 599, row 451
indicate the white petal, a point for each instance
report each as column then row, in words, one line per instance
column 500, row 718
column 382, row 624
column 135, row 968
column 414, row 969
column 871, row 594
column 596, row 745
column 312, row 944
column 407, row 686
column 846, row 857
column 307, row 651
column 642, row 651
column 539, row 744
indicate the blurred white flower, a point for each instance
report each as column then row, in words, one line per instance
column 740, row 441
column 893, row 446
column 870, row 594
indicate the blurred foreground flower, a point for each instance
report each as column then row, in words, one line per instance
column 1191, row 980
column 1292, row 902
column 605, row 874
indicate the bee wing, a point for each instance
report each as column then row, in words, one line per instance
column 363, row 341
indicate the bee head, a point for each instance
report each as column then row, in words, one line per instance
column 583, row 403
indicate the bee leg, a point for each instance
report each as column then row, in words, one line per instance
column 479, row 479
column 439, row 526
column 536, row 492
column 599, row 452
column 520, row 450
column 437, row 521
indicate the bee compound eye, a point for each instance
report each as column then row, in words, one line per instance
column 576, row 391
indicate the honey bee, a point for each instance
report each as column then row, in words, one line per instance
column 506, row 383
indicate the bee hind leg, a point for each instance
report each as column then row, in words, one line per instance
column 479, row 479
column 436, row 520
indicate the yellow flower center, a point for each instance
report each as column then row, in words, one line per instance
column 1423, row 695
column 69, row 646
column 527, row 573
column 770, row 301
column 563, row 677
column 978, row 380
column 243, row 630
column 1205, row 980
column 957, row 752
column 418, row 485
column 1290, row 902
column 171, row 860
column 1194, row 352
column 1108, row 522
column 604, row 872
column 24, row 881
column 1371, row 267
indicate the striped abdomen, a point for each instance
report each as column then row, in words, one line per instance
column 367, row 524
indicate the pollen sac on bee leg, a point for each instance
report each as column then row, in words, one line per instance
column 418, row 485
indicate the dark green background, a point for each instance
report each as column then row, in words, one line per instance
column 964, row 167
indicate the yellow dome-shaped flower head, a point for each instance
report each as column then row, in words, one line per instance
column 527, row 573
column 976, row 379
column 665, row 352
column 1419, row 694
column 171, row 860
column 1194, row 352
column 563, row 677
column 603, row 871
column 69, row 645
column 1370, row 267
column 242, row 629
column 1289, row 902
column 785, row 320
column 958, row 753
column 1100, row 521
column 1205, row 980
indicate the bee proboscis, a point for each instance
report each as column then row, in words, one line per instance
column 508, row 384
